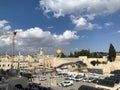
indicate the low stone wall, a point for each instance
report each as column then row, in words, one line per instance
column 107, row 68
column 58, row 61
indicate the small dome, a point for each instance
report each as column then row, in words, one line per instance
column 59, row 51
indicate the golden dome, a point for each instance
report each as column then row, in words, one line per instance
column 59, row 51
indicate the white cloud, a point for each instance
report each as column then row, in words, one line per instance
column 4, row 41
column 4, row 25
column 109, row 24
column 82, row 24
column 78, row 7
column 84, row 36
column 91, row 16
column 32, row 39
column 50, row 27
column 118, row 31
column 44, row 38
column 86, row 10
column 8, row 27
column 66, row 36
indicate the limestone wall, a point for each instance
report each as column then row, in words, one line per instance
column 58, row 61
column 117, row 58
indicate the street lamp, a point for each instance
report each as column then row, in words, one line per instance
column 13, row 44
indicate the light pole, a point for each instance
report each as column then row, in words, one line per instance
column 19, row 64
column 13, row 44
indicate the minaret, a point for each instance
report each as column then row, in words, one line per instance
column 41, row 52
column 6, row 54
column 19, row 53
column 41, row 57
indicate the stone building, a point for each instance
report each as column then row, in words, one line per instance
column 31, row 62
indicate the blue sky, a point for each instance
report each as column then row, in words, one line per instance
column 53, row 24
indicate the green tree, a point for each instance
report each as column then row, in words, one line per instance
column 84, row 53
column 76, row 54
column 71, row 54
column 81, row 53
column 63, row 55
column 112, row 53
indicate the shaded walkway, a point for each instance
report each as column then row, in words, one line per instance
column 69, row 63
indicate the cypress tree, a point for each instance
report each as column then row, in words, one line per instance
column 112, row 53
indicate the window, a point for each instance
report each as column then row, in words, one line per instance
column 3, row 65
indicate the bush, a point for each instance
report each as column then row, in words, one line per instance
column 104, row 62
column 93, row 63
column 84, row 64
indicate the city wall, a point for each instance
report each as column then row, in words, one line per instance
column 31, row 62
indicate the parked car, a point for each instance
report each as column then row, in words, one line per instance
column 85, row 79
column 89, row 79
column 42, row 78
column 68, row 77
column 102, row 77
column 78, row 78
column 65, row 83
